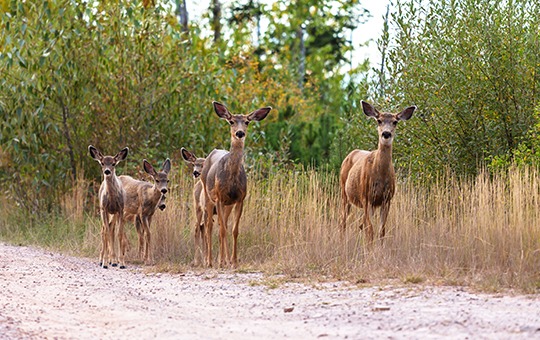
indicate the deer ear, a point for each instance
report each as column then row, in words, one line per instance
column 259, row 114
column 221, row 110
column 94, row 153
column 122, row 155
column 187, row 156
column 149, row 168
column 407, row 113
column 166, row 166
column 369, row 110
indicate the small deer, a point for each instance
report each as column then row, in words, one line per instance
column 111, row 202
column 225, row 182
column 142, row 199
column 367, row 178
column 199, row 237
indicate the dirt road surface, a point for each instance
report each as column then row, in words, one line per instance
column 46, row 295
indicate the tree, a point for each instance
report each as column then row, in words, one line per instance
column 472, row 69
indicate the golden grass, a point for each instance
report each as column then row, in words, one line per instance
column 483, row 232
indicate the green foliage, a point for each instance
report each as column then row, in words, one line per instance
column 472, row 69
column 123, row 73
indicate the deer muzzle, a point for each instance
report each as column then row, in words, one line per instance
column 240, row 134
column 386, row 134
column 196, row 174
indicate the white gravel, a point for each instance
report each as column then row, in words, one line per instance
column 46, row 295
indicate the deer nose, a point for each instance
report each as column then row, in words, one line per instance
column 107, row 172
column 386, row 134
column 240, row 134
column 164, row 190
column 196, row 174
column 162, row 207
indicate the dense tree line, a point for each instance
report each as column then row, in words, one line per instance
column 140, row 74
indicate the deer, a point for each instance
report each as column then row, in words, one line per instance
column 367, row 178
column 142, row 199
column 199, row 237
column 225, row 183
column 112, row 198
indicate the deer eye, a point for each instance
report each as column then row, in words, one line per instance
column 394, row 122
column 379, row 121
column 114, row 164
column 247, row 122
column 231, row 122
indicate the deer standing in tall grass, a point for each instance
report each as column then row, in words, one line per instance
column 225, row 182
column 367, row 178
column 142, row 199
column 111, row 203
column 199, row 204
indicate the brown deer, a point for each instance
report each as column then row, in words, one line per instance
column 367, row 178
column 111, row 202
column 142, row 199
column 199, row 237
column 225, row 182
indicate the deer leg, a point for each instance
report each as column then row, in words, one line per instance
column 198, row 236
column 385, row 208
column 208, row 225
column 103, row 254
column 345, row 210
column 140, row 234
column 223, row 217
column 112, row 242
column 149, row 254
column 238, row 213
column 121, row 240
column 367, row 224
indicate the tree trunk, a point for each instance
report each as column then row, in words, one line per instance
column 215, row 7
column 182, row 13
column 302, row 57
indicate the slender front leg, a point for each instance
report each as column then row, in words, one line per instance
column 385, row 208
column 367, row 224
column 238, row 213
column 112, row 242
column 223, row 217
column 208, row 225
column 103, row 254
column 121, row 240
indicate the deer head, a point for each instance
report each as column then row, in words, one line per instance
column 387, row 122
column 108, row 163
column 239, row 123
column 197, row 163
column 160, row 178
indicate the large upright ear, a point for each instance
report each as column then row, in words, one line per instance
column 166, row 166
column 407, row 113
column 369, row 110
column 94, row 153
column 149, row 168
column 259, row 114
column 188, row 156
column 221, row 110
column 122, row 154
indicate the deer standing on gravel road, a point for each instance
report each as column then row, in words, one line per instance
column 367, row 178
column 225, row 182
column 199, row 205
column 142, row 199
column 111, row 202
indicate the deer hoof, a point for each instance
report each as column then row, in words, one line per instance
column 104, row 266
column 114, row 264
column 122, row 267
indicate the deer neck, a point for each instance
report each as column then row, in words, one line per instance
column 113, row 185
column 156, row 194
column 236, row 155
column 383, row 159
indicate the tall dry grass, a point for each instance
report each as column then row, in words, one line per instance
column 483, row 231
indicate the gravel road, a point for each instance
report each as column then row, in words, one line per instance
column 46, row 295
